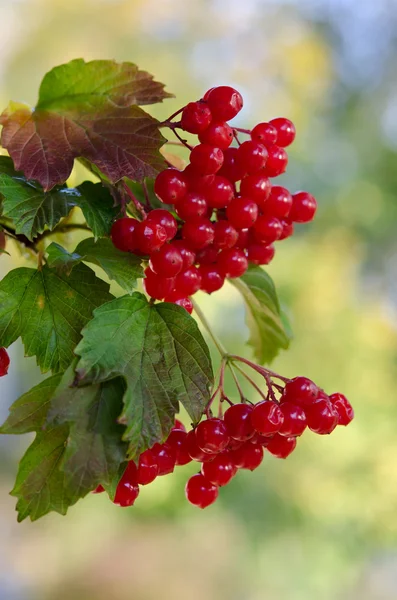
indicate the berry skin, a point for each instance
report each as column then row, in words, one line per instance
column 343, row 408
column 267, row 418
column 242, row 212
column 265, row 133
column 188, row 255
column 192, row 206
column 231, row 168
column 252, row 156
column 288, row 229
column 179, row 425
column 188, row 282
column 294, row 423
column 208, row 255
column 122, row 234
column 224, row 102
column 281, row 446
column 149, row 236
column 232, row 263
column 225, row 236
column 127, row 490
column 206, row 159
column 170, row 186
column 147, row 468
column 198, row 233
column 212, row 436
column 322, row 417
column 98, row 490
column 220, row 192
column 156, row 286
column 185, row 303
column 196, row 116
column 238, row 422
column 165, row 456
column 166, row 262
column 195, row 182
column 220, row 470
column 257, row 187
column 286, row 131
column 4, row 362
column 249, row 456
column 244, row 238
column 260, row 254
column 194, row 451
column 177, row 440
column 201, row 492
column 267, row 229
column 211, row 279
column 219, row 135
column 276, row 162
column 304, row 207
column 301, row 391
column 165, row 219
column 279, row 202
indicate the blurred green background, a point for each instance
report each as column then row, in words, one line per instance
column 321, row 525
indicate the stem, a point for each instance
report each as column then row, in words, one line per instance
column 240, row 130
column 178, row 112
column 236, row 381
column 219, row 346
column 261, row 370
column 235, row 135
column 184, row 142
column 251, row 381
column 146, row 193
column 219, row 389
column 135, row 200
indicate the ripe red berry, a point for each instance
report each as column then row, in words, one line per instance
column 156, row 286
column 267, row 229
column 179, row 425
column 196, row 182
column 285, row 131
column 188, row 282
column 208, row 255
column 165, row 219
column 149, row 236
column 301, row 391
column 217, row 134
column 231, row 168
column 98, row 490
column 294, row 423
column 127, row 490
column 288, row 229
column 232, row 263
column 304, row 207
column 252, row 156
column 242, row 212
column 238, row 422
column 343, row 407
column 267, row 417
column 166, row 262
column 185, row 303
column 257, row 187
column 225, row 235
column 244, row 238
column 206, row 159
column 4, row 362
column 276, row 162
column 220, row 470
column 211, row 278
column 122, row 234
column 224, row 102
column 188, row 255
column 322, row 417
column 196, row 116
column 249, row 456
column 147, row 468
column 177, row 440
column 192, row 206
column 198, row 233
column 170, row 186
column 194, row 451
column 201, row 492
column 279, row 202
column 260, row 254
column 211, row 435
column 165, row 456
column 265, row 133
column 220, row 192
column 281, row 446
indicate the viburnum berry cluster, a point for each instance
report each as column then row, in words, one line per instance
column 226, row 212
column 4, row 362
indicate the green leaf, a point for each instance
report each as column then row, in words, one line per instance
column 123, row 267
column 268, row 333
column 48, row 310
column 7, row 167
column 163, row 357
column 98, row 207
column 87, row 110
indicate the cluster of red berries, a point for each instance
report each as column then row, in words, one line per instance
column 226, row 211
column 237, row 441
column 4, row 362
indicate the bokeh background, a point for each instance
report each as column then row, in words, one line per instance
column 321, row 525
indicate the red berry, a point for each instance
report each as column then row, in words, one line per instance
column 127, row 490
column 231, row 168
column 260, row 254
column 242, row 212
column 206, row 159
column 301, row 391
column 148, row 468
column 208, row 255
column 211, row 278
column 279, row 202
column 201, row 492
column 252, row 156
column 170, row 186
column 244, row 237
column 4, row 362
column 295, row 422
column 192, row 206
column 267, row 229
column 198, row 233
column 194, row 451
column 304, row 207
column 281, row 446
column 238, row 422
column 220, row 470
column 265, row 133
column 288, row 229
column 177, row 440
column 285, row 131
column 343, row 407
column 322, row 417
column 267, row 417
column 188, row 255
column 212, row 436
column 188, row 282
column 185, row 303
column 220, row 192
column 225, row 102
column 217, row 134
column 195, row 182
column 196, row 116
column 225, row 236
column 156, row 286
column 165, row 219
column 165, row 456
column 232, row 263
column 277, row 161
column 166, row 262
column 257, row 187
column 179, row 425
column 249, row 456
column 122, row 234
column 98, row 490
column 149, row 236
